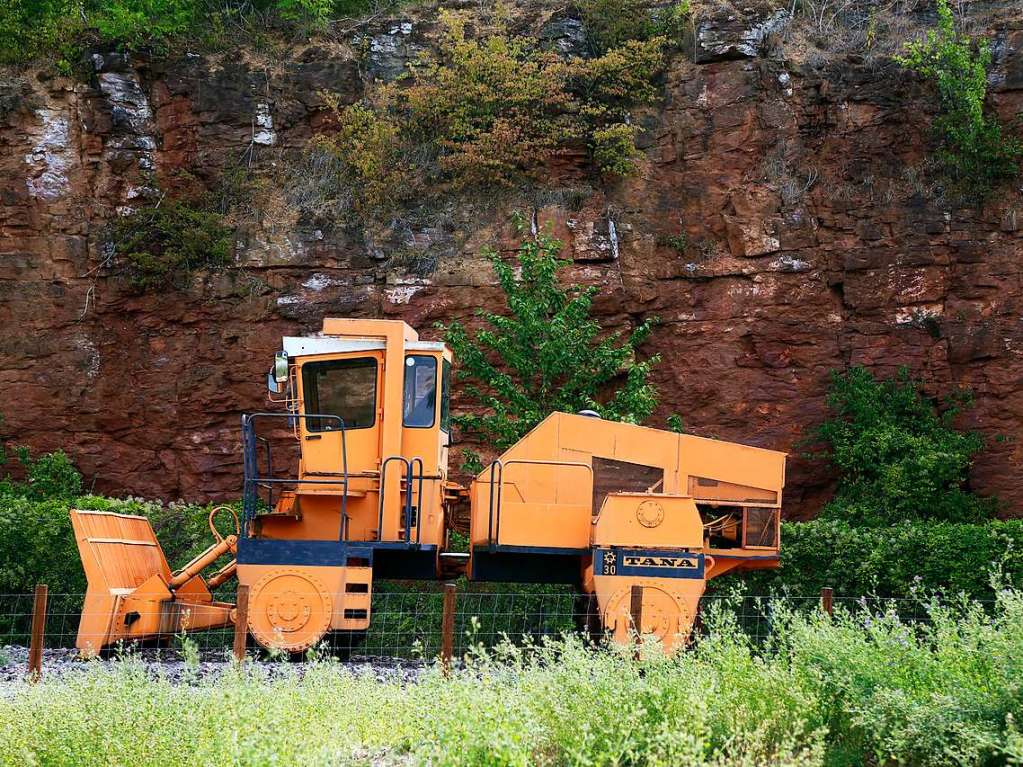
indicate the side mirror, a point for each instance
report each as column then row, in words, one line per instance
column 281, row 367
column 271, row 384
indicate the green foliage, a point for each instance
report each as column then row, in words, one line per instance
column 37, row 544
column 677, row 242
column 547, row 354
column 316, row 12
column 897, row 458
column 891, row 561
column 161, row 246
column 138, row 22
column 31, row 28
column 58, row 29
column 614, row 149
column 50, row 476
column 677, row 22
column 859, row 689
column 975, row 154
column 611, row 23
column 484, row 113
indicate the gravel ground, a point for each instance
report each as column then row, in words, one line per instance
column 171, row 664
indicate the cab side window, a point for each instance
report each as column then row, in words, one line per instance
column 346, row 388
column 445, row 397
column 420, row 399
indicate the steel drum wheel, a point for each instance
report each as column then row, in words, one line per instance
column 289, row 610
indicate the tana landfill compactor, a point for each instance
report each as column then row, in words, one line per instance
column 600, row 505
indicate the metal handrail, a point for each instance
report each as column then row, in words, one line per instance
column 494, row 466
column 250, row 468
column 410, row 477
column 494, row 530
column 419, row 501
column 383, row 485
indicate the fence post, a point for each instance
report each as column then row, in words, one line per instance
column 636, row 611
column 241, row 622
column 826, row 595
column 35, row 648
column 447, row 629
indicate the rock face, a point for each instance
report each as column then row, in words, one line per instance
column 779, row 228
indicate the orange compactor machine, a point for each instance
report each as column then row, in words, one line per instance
column 601, row 505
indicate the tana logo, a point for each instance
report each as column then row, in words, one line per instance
column 662, row 562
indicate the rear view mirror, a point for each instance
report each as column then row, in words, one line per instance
column 281, row 367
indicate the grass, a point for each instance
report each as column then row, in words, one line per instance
column 862, row 688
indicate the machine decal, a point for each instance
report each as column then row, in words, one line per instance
column 650, row 563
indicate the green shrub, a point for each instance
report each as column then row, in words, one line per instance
column 890, row 561
column 161, row 246
column 896, row 456
column 138, row 22
column 37, row 544
column 31, row 28
column 484, row 113
column 611, row 23
column 614, row 149
column 974, row 153
column 60, row 29
column 51, row 476
column 548, row 354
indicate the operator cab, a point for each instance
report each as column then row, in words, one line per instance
column 369, row 406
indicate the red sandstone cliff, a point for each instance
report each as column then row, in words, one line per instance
column 811, row 244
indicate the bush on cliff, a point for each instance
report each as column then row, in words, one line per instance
column 975, row 154
column 34, row 29
column 897, row 456
column 161, row 246
column 484, row 113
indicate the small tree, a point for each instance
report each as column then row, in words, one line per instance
column 547, row 354
column 974, row 153
column 897, row 457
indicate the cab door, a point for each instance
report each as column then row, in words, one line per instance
column 349, row 387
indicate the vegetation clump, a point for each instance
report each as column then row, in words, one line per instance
column 611, row 23
column 614, row 149
column 483, row 114
column 974, row 153
column 898, row 458
column 161, row 246
column 547, row 354
column 37, row 544
column 61, row 29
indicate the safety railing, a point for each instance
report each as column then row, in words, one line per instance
column 253, row 481
column 496, row 481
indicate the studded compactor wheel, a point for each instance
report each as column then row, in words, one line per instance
column 663, row 615
column 289, row 610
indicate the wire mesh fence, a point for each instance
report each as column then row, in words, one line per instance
column 403, row 624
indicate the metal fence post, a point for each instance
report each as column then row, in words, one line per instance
column 447, row 638
column 636, row 611
column 826, row 596
column 35, row 648
column 241, row 623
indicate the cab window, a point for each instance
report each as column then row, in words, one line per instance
column 346, row 388
column 420, row 400
column 445, row 397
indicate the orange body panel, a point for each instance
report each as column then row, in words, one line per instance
column 128, row 595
